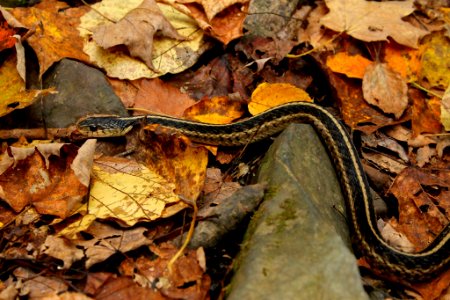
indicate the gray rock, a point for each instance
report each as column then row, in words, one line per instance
column 82, row 90
column 297, row 245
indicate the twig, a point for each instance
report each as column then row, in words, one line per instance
column 188, row 236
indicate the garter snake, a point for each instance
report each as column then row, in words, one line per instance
column 361, row 216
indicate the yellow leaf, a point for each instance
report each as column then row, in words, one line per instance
column 435, row 61
column 12, row 89
column 445, row 109
column 127, row 191
column 268, row 95
column 169, row 55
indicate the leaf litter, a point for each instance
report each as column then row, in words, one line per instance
column 385, row 68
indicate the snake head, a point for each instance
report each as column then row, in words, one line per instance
column 98, row 126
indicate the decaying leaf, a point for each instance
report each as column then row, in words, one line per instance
column 373, row 21
column 421, row 195
column 128, row 192
column 268, row 95
column 56, row 35
column 136, row 30
column 168, row 54
column 187, row 278
column 46, row 176
column 152, row 96
column 13, row 94
column 212, row 7
column 218, row 110
column 436, row 61
column 385, row 89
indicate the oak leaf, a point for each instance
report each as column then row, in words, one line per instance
column 136, row 31
column 373, row 21
column 385, row 88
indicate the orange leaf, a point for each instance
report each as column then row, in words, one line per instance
column 218, row 110
column 354, row 66
column 426, row 115
column 403, row 60
column 268, row 95
column 57, row 37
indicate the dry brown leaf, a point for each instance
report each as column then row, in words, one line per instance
column 421, row 194
column 186, row 269
column 39, row 287
column 62, row 249
column 385, row 88
column 107, row 240
column 152, row 96
column 45, row 176
column 373, row 21
column 426, row 114
column 108, row 286
column 136, row 31
column 213, row 7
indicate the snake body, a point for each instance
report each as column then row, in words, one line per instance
column 360, row 213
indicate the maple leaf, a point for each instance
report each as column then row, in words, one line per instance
column 136, row 31
column 373, row 21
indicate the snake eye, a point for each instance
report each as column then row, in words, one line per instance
column 93, row 127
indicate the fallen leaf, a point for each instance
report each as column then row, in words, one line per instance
column 107, row 240
column 169, row 55
column 356, row 112
column 56, row 35
column 445, row 109
column 186, row 280
column 212, row 7
column 267, row 95
column 108, row 286
column 435, row 61
column 354, row 66
column 435, row 289
column 420, row 195
column 403, row 60
column 63, row 249
column 177, row 160
column 13, row 94
column 43, row 173
column 152, row 96
column 218, row 110
column 226, row 26
column 128, row 192
column 136, row 30
column 426, row 114
column 385, row 88
column 39, row 286
column 373, row 21
column 6, row 33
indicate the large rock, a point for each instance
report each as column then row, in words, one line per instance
column 297, row 245
column 82, row 90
